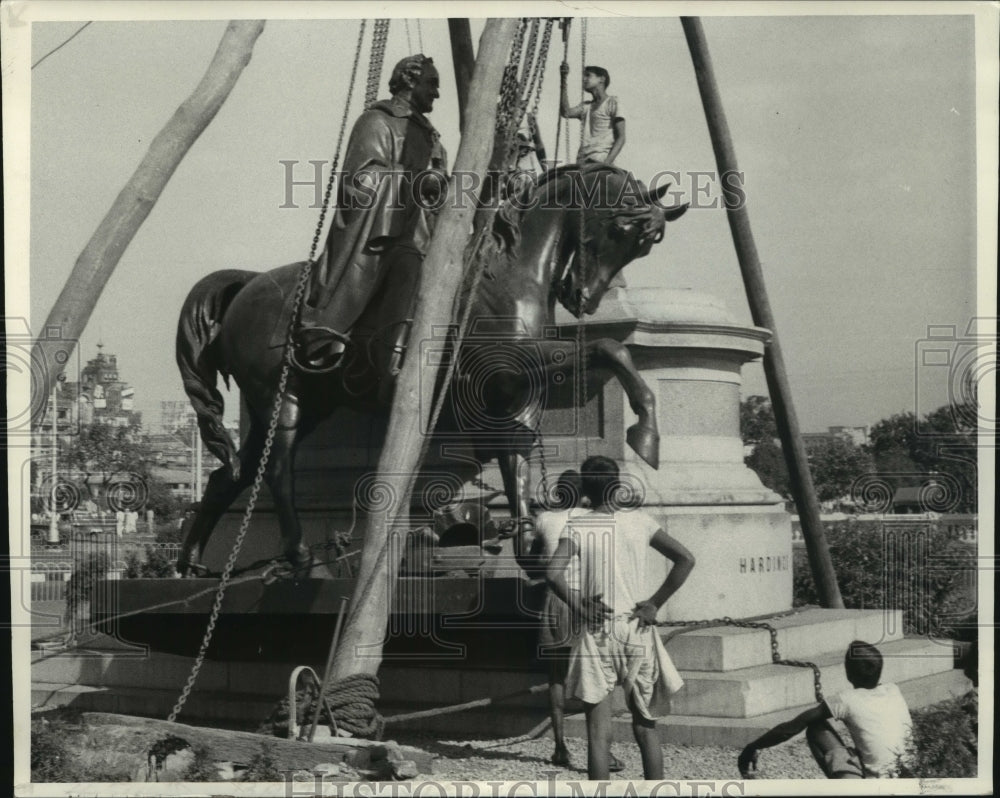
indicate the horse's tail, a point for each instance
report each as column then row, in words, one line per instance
column 198, row 361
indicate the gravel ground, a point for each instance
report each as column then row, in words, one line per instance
column 482, row 760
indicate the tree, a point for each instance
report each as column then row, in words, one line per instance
column 759, row 431
column 938, row 449
column 106, row 452
column 111, row 457
column 768, row 462
column 757, row 420
column 835, row 465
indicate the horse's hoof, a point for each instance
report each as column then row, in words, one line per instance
column 300, row 559
column 645, row 442
column 191, row 570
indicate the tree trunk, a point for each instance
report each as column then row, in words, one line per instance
column 97, row 262
column 760, row 309
column 367, row 619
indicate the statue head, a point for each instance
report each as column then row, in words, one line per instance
column 415, row 78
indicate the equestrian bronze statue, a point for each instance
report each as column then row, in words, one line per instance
column 563, row 241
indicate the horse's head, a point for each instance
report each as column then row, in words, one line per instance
column 611, row 220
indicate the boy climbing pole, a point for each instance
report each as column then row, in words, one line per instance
column 602, row 116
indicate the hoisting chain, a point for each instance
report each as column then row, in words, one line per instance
column 380, row 35
column 528, row 62
column 583, row 65
column 286, row 365
column 539, row 77
column 687, row 626
column 508, row 88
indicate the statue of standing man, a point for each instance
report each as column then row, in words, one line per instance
column 393, row 180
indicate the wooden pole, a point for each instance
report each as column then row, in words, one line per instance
column 441, row 276
column 760, row 309
column 464, row 59
column 97, row 262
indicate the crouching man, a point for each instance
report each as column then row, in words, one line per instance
column 875, row 714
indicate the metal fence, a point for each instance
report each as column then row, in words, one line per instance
column 51, row 567
column 961, row 527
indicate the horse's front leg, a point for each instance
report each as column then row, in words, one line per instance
column 643, row 436
column 514, row 471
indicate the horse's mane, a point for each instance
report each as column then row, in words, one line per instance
column 506, row 229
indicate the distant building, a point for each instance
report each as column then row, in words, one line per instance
column 854, row 435
column 102, row 397
column 175, row 414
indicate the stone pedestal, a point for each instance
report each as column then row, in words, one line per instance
column 690, row 352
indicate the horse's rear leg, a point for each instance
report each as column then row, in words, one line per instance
column 220, row 493
column 280, row 477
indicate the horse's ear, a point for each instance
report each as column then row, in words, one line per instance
column 660, row 192
column 672, row 214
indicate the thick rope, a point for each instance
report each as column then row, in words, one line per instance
column 352, row 702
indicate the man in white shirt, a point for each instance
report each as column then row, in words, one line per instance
column 875, row 714
column 602, row 116
column 618, row 642
column 558, row 629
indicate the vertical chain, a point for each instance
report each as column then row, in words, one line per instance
column 583, row 64
column 508, row 88
column 409, row 44
column 420, row 36
column 540, row 68
column 300, row 292
column 380, row 35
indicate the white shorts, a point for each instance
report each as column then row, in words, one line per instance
column 625, row 655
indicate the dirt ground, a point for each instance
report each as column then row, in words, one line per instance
column 484, row 760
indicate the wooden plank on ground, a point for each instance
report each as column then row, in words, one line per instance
column 224, row 745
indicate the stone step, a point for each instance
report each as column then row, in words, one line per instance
column 762, row 689
column 800, row 635
column 398, row 684
column 737, row 732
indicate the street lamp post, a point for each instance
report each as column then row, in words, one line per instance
column 195, row 462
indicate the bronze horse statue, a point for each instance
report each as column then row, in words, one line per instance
column 564, row 241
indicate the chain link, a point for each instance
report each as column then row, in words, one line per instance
column 583, row 64
column 300, row 292
column 540, row 71
column 508, row 88
column 380, row 35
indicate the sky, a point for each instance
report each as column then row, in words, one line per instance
column 856, row 135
